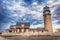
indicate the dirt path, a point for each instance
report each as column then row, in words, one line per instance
column 31, row 38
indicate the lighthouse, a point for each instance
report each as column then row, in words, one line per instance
column 47, row 19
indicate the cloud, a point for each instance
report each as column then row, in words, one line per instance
column 31, row 10
column 34, row 4
column 28, row 2
column 56, row 26
column 21, row 10
column 37, row 26
column 54, row 4
column 50, row 2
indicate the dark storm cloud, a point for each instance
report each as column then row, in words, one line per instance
column 29, row 2
column 28, row 17
column 3, row 14
column 57, row 12
column 4, row 19
column 40, row 1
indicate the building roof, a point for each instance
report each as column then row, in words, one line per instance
column 25, row 23
column 22, row 27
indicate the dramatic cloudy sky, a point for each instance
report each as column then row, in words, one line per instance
column 13, row 11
